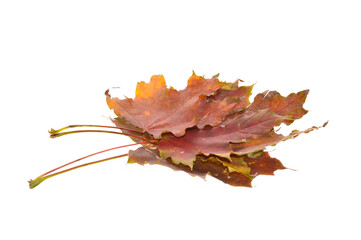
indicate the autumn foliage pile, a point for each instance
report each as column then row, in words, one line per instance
column 210, row 127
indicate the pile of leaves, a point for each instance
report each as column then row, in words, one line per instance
column 210, row 127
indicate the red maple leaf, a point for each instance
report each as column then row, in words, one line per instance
column 157, row 109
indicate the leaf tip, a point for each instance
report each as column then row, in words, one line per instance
column 107, row 93
column 325, row 124
column 306, row 91
column 216, row 76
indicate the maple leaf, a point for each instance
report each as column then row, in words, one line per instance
column 243, row 135
column 157, row 109
column 216, row 140
column 202, row 166
column 210, row 127
column 290, row 106
column 263, row 164
column 240, row 171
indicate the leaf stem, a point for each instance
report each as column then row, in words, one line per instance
column 54, row 135
column 90, row 155
column 40, row 179
column 52, row 131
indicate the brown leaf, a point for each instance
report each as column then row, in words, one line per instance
column 242, row 135
column 216, row 140
column 239, row 172
column 220, row 171
column 290, row 106
column 202, row 166
column 263, row 165
column 157, row 109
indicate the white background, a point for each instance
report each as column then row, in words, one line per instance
column 58, row 57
